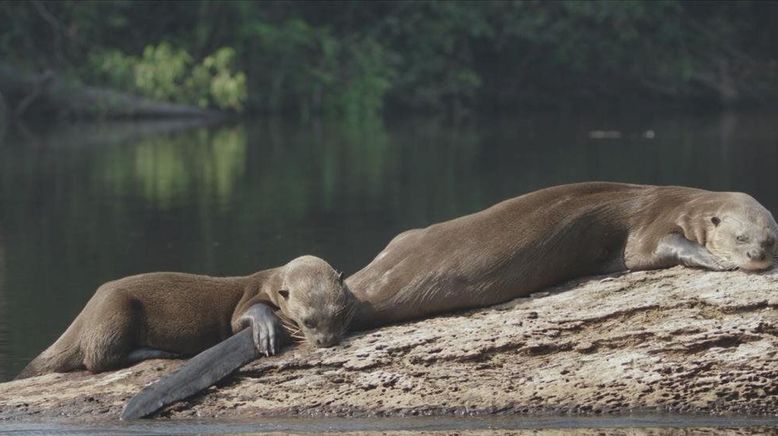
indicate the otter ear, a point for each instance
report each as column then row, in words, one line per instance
column 284, row 293
column 340, row 277
column 715, row 220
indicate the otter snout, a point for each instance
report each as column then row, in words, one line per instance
column 325, row 341
column 756, row 255
column 758, row 260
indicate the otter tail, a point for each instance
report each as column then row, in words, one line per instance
column 197, row 374
column 62, row 356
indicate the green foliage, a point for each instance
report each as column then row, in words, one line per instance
column 113, row 67
column 214, row 82
column 316, row 72
column 161, row 71
column 169, row 74
column 291, row 61
column 360, row 94
column 354, row 59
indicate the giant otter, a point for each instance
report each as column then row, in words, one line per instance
column 162, row 315
column 556, row 234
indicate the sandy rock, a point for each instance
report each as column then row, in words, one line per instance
column 676, row 340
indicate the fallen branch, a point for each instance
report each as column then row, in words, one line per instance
column 46, row 93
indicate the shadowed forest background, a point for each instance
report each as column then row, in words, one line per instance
column 362, row 59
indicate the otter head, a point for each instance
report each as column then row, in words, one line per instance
column 743, row 233
column 315, row 297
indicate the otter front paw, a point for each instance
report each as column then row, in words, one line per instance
column 266, row 328
column 705, row 259
column 674, row 248
column 724, row 265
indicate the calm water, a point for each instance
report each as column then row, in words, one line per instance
column 83, row 204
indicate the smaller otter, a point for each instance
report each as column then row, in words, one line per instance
column 169, row 315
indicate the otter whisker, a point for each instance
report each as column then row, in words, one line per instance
column 295, row 334
column 345, row 308
column 292, row 330
column 342, row 309
column 289, row 323
column 346, row 318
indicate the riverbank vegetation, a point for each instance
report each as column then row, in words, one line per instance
column 363, row 59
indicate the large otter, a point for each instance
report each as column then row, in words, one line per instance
column 162, row 315
column 546, row 237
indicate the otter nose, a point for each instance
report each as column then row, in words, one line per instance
column 757, row 255
column 324, row 342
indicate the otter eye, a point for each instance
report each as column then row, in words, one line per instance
column 742, row 238
column 715, row 220
column 309, row 323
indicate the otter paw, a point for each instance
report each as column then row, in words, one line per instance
column 711, row 262
column 265, row 328
column 727, row 266
column 720, row 264
column 266, row 335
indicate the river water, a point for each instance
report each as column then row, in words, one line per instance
column 81, row 204
column 555, row 426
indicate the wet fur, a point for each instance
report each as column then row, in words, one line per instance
column 534, row 241
column 178, row 313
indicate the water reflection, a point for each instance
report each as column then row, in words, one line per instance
column 83, row 204
column 166, row 169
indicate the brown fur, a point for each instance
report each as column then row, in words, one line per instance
column 546, row 237
column 186, row 313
